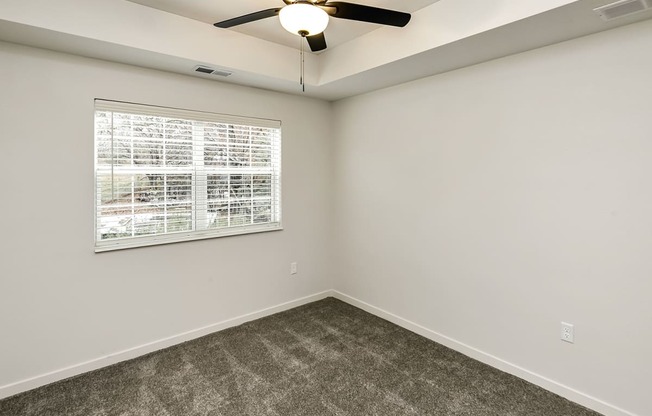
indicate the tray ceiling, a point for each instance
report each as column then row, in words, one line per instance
column 178, row 35
column 339, row 31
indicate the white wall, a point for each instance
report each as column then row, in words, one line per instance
column 490, row 203
column 61, row 304
column 506, row 196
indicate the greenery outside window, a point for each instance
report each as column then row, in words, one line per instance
column 166, row 175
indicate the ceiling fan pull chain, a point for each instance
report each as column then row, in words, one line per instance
column 303, row 67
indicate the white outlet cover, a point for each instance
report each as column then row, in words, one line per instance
column 567, row 332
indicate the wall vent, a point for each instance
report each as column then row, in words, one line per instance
column 622, row 8
column 212, row 71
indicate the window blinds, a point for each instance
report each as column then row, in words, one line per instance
column 166, row 175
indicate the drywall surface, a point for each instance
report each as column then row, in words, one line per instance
column 491, row 203
column 60, row 303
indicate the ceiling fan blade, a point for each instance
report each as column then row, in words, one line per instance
column 317, row 42
column 251, row 17
column 369, row 14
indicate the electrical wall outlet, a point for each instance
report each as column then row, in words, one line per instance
column 293, row 268
column 567, row 332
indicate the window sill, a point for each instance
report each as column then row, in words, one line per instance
column 127, row 243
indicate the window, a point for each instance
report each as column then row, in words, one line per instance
column 166, row 175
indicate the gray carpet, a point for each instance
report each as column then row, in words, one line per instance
column 325, row 358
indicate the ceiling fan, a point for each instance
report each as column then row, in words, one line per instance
column 309, row 19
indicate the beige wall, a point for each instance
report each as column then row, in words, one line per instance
column 61, row 304
column 491, row 203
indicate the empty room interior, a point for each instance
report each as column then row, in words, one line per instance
column 429, row 207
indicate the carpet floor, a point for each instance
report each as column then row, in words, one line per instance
column 324, row 358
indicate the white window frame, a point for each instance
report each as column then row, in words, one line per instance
column 199, row 177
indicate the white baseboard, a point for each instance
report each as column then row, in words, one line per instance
column 546, row 383
column 63, row 373
column 539, row 380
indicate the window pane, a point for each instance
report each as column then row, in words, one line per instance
column 179, row 218
column 262, row 186
column 240, row 213
column 147, row 152
column 215, row 144
column 240, row 186
column 218, row 201
column 239, row 146
column 103, row 137
column 262, row 211
column 178, row 142
column 178, row 188
column 230, row 200
column 261, row 156
column 149, row 190
column 137, row 205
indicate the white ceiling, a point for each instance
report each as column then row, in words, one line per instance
column 339, row 31
column 443, row 35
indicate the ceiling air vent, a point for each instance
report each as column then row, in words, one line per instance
column 212, row 71
column 622, row 8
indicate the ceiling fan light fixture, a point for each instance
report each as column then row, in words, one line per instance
column 303, row 19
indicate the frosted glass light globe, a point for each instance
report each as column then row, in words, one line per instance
column 303, row 19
